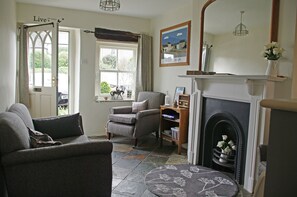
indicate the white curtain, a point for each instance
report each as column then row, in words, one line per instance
column 23, row 78
column 144, row 79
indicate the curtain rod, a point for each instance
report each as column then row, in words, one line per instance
column 89, row 31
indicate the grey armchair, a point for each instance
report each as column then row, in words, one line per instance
column 122, row 121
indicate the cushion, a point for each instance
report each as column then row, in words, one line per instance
column 38, row 139
column 139, row 106
column 123, row 118
column 60, row 127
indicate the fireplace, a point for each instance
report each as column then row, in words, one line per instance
column 248, row 126
column 230, row 118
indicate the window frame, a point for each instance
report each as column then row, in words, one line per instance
column 116, row 45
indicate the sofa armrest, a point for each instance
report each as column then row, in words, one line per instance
column 56, row 152
column 121, row 110
column 60, row 126
column 148, row 112
column 83, row 169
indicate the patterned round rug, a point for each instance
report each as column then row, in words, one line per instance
column 189, row 180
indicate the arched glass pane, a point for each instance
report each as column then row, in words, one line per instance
column 47, row 60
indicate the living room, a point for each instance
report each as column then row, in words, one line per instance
column 165, row 78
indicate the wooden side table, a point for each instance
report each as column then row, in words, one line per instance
column 174, row 118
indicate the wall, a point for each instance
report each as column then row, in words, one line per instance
column 166, row 78
column 244, row 57
column 7, row 53
column 94, row 114
column 286, row 37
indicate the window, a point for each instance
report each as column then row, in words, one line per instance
column 116, row 69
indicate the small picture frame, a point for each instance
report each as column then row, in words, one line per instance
column 178, row 91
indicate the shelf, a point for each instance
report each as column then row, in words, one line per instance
column 174, row 117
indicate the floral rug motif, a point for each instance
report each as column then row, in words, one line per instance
column 188, row 181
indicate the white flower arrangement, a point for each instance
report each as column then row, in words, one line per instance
column 226, row 145
column 272, row 51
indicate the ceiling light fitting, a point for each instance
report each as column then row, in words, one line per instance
column 110, row 5
column 240, row 30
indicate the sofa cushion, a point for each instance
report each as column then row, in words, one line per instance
column 38, row 139
column 13, row 133
column 59, row 127
column 123, row 118
column 22, row 111
column 74, row 140
column 139, row 106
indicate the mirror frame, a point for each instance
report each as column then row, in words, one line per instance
column 273, row 25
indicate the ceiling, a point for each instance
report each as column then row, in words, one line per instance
column 135, row 8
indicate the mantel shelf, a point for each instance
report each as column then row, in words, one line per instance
column 238, row 77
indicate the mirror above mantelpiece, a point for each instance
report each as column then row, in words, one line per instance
column 237, row 54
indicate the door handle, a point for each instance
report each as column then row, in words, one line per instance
column 54, row 81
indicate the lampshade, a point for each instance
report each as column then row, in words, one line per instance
column 241, row 30
column 109, row 5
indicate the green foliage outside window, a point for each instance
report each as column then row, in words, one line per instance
column 105, row 88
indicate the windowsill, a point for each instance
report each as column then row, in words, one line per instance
column 109, row 100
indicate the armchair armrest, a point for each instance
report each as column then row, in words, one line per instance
column 148, row 112
column 56, row 152
column 60, row 126
column 121, row 110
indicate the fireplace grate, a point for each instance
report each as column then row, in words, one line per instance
column 223, row 159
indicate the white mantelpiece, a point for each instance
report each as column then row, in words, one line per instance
column 242, row 88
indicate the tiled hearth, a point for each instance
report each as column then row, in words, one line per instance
column 250, row 89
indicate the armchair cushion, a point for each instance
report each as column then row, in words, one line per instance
column 123, row 118
column 139, row 106
column 60, row 127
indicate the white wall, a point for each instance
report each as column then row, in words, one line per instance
column 94, row 114
column 166, row 78
column 7, row 53
column 239, row 54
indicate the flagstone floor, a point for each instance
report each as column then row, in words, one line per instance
column 130, row 165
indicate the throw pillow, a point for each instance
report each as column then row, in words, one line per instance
column 139, row 106
column 38, row 139
column 61, row 126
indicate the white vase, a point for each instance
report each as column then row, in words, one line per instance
column 272, row 68
column 223, row 157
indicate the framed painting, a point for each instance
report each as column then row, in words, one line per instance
column 175, row 45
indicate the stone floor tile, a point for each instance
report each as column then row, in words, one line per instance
column 116, row 182
column 129, row 188
column 147, row 193
column 120, row 173
column 127, row 163
column 117, row 155
column 156, row 159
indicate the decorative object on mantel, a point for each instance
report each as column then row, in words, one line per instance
column 226, row 147
column 110, row 5
column 272, row 52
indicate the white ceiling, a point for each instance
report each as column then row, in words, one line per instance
column 135, row 8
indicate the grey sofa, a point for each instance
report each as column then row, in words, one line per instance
column 78, row 167
column 123, row 121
